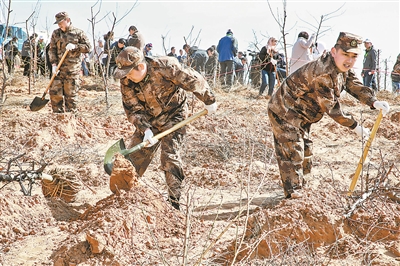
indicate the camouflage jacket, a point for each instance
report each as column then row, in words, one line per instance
column 58, row 42
column 315, row 89
column 161, row 96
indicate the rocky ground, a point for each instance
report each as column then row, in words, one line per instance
column 233, row 208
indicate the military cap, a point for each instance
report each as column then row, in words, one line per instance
column 60, row 17
column 126, row 60
column 349, row 42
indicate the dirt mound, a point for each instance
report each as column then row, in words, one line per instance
column 123, row 230
column 321, row 222
column 233, row 209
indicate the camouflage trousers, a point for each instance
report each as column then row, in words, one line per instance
column 293, row 150
column 64, row 92
column 171, row 162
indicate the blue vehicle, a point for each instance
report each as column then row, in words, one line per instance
column 13, row 31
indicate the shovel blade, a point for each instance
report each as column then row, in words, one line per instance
column 117, row 147
column 38, row 103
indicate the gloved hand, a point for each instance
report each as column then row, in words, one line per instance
column 148, row 135
column 212, row 108
column 362, row 131
column 70, row 46
column 273, row 61
column 54, row 69
column 382, row 105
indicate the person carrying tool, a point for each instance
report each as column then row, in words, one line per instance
column 64, row 90
column 305, row 96
column 154, row 99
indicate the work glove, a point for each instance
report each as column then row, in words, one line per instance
column 211, row 109
column 362, row 131
column 382, row 105
column 273, row 61
column 70, row 46
column 148, row 135
column 54, row 70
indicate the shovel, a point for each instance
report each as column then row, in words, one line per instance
column 119, row 146
column 40, row 102
column 365, row 153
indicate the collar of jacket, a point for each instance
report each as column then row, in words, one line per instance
column 369, row 49
column 146, row 78
column 143, row 81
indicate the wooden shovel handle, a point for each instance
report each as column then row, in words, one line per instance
column 55, row 74
column 164, row 133
column 365, row 153
column 180, row 124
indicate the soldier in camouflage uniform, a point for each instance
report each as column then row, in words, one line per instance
column 66, row 84
column 304, row 97
column 154, row 99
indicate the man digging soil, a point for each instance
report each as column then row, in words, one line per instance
column 302, row 100
column 154, row 99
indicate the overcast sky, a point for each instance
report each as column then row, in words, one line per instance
column 249, row 20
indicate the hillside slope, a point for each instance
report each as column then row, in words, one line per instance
column 234, row 210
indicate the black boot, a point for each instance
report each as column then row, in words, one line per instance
column 174, row 202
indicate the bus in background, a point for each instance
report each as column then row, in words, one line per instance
column 13, row 31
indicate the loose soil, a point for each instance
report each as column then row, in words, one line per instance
column 233, row 207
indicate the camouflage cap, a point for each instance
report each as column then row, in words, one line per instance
column 60, row 17
column 349, row 42
column 127, row 59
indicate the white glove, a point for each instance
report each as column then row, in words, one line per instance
column 70, row 46
column 362, row 131
column 212, row 108
column 54, row 70
column 273, row 61
column 382, row 105
column 148, row 135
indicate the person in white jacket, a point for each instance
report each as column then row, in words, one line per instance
column 301, row 52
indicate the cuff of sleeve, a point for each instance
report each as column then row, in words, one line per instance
column 142, row 126
column 353, row 126
column 209, row 102
column 372, row 106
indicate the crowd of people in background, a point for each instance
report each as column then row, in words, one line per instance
column 220, row 64
column 154, row 88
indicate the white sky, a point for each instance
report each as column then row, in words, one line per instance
column 376, row 20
